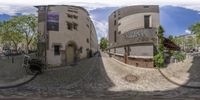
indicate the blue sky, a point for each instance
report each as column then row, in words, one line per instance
column 174, row 19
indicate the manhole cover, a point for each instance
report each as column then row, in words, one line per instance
column 131, row 78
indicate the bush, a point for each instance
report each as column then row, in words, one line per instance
column 159, row 60
column 180, row 56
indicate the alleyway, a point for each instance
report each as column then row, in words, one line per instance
column 101, row 77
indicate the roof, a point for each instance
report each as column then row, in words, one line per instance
column 170, row 45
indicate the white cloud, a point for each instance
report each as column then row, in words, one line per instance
column 12, row 7
column 101, row 28
column 17, row 6
column 187, row 31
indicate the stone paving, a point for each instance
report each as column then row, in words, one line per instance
column 186, row 72
column 101, row 78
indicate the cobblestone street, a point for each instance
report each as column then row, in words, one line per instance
column 101, row 78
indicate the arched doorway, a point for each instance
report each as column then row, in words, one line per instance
column 71, row 52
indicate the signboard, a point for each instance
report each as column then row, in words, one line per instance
column 53, row 21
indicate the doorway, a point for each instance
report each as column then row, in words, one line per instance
column 70, row 53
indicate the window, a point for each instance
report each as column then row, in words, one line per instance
column 119, row 17
column 56, row 50
column 72, row 11
column 87, row 25
column 118, row 12
column 147, row 21
column 115, row 22
column 115, row 36
column 81, row 49
column 146, row 6
column 69, row 16
column 114, row 14
column 87, row 40
column 69, row 26
column 119, row 32
column 75, row 17
column 75, row 26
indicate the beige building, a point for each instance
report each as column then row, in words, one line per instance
column 132, row 34
column 67, row 34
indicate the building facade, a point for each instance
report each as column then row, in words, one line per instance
column 67, row 34
column 133, row 34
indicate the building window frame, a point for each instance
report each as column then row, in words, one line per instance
column 115, row 22
column 147, row 21
column 115, row 36
column 69, row 26
column 75, row 26
column 87, row 40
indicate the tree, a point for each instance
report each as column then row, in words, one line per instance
column 195, row 29
column 10, row 33
column 103, row 43
column 27, row 26
column 159, row 57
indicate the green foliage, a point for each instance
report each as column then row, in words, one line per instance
column 180, row 56
column 195, row 28
column 103, row 43
column 10, row 33
column 28, row 28
column 19, row 29
column 159, row 57
column 171, row 38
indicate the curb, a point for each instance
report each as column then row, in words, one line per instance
column 19, row 82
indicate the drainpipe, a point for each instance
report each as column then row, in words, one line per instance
column 90, row 52
column 45, row 31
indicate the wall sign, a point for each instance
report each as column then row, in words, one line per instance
column 53, row 21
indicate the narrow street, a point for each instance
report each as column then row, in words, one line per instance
column 99, row 78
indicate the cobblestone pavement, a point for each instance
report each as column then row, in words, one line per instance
column 101, row 78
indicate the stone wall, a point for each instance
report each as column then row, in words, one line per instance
column 140, row 62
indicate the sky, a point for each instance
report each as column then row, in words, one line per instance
column 175, row 15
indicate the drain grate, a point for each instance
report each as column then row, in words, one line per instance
column 131, row 78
